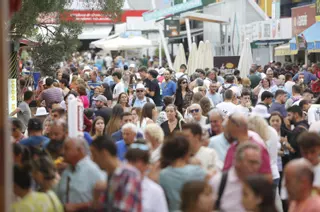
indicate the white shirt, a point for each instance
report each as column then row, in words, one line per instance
column 155, row 154
column 118, row 89
column 315, row 127
column 208, row 158
column 314, row 113
column 108, row 60
column 153, row 198
column 243, row 110
column 272, row 146
column 181, row 74
column 227, row 107
column 288, row 85
column 231, row 199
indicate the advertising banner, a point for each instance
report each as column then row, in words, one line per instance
column 171, row 28
column 302, row 18
column 12, row 95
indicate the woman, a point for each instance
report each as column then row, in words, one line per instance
column 21, row 155
column 154, row 135
column 123, row 100
column 59, row 74
column 46, row 126
column 83, row 95
column 107, row 93
column 257, row 195
column 246, row 86
column 264, row 85
column 173, row 123
column 148, row 115
column 98, row 127
column 16, row 130
column 136, row 114
column 197, row 196
column 183, row 95
column 114, row 123
column 130, row 94
column 206, row 105
column 176, row 171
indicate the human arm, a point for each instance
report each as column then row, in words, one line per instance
column 17, row 110
column 295, row 77
column 256, row 90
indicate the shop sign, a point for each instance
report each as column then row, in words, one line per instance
column 171, row 28
column 12, row 94
column 302, row 18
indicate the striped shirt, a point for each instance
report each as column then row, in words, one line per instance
column 51, row 96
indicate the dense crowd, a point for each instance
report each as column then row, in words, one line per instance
column 158, row 140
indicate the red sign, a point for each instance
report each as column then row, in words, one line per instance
column 302, row 18
column 86, row 16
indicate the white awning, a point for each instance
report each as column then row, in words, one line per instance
column 95, row 32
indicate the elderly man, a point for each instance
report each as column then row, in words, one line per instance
column 129, row 133
column 216, row 117
column 228, row 185
column 58, row 133
column 299, row 177
column 196, row 113
column 141, row 98
column 79, row 178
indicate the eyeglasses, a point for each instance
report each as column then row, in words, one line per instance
column 194, row 111
column 139, row 91
column 143, row 147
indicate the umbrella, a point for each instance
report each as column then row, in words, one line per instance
column 119, row 43
column 246, row 60
column 200, row 56
column 180, row 58
column 208, row 63
column 192, row 59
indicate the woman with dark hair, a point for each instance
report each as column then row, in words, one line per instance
column 257, row 195
column 197, row 195
column 83, row 95
column 206, row 105
column 16, row 130
column 114, row 123
column 123, row 100
column 173, row 123
column 136, row 114
column 98, row 127
column 21, row 155
column 148, row 115
column 107, row 93
column 183, row 95
column 176, row 171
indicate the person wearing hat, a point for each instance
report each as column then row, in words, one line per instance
column 153, row 89
column 41, row 113
column 102, row 109
column 36, row 138
column 141, row 98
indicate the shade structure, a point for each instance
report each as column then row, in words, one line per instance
column 200, row 56
column 192, row 59
column 180, row 58
column 208, row 62
column 246, row 60
column 312, row 38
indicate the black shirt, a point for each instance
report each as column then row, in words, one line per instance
column 166, row 129
column 154, row 86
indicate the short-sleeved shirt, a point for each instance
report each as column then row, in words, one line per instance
column 154, row 87
column 118, row 89
column 168, row 88
column 220, row 144
column 255, row 80
column 265, row 167
column 215, row 98
column 24, row 115
column 279, row 108
column 51, row 96
column 121, row 149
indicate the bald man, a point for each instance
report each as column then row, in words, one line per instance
column 298, row 181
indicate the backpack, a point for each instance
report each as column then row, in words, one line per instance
column 134, row 100
column 224, row 90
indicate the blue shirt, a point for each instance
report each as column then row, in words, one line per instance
column 215, row 98
column 36, row 141
column 140, row 103
column 172, row 180
column 121, row 149
column 93, row 84
column 168, row 88
column 279, row 108
column 117, row 136
column 220, row 144
column 308, row 77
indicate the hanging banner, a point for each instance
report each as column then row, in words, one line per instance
column 12, row 95
column 171, row 28
column 302, row 18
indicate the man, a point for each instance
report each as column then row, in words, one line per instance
column 23, row 110
column 295, row 116
column 64, row 86
column 58, row 133
column 245, row 103
column 182, row 73
column 228, row 85
column 254, row 78
column 153, row 89
column 119, row 196
column 153, row 197
column 94, row 82
column 299, row 177
column 108, row 60
column 270, row 75
column 278, row 105
column 227, row 106
column 306, row 95
column 266, row 99
column 236, row 129
column 202, row 73
column 216, row 117
column 129, row 132
column 119, row 87
column 213, row 95
column 102, row 110
column 207, row 156
column 210, row 78
column 141, row 99
column 51, row 94
column 309, row 144
column 143, row 72
column 126, row 117
column 247, row 162
column 58, row 113
column 36, row 139
column 196, row 113
column 296, row 96
column 308, row 77
column 78, row 180
column 168, row 87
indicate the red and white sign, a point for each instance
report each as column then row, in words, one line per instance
column 86, row 16
column 302, row 18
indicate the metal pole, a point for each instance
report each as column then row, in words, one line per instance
column 165, row 46
column 188, row 34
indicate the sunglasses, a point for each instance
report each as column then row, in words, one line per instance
column 139, row 91
column 194, row 111
column 184, row 82
column 143, row 147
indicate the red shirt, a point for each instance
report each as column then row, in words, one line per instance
column 265, row 167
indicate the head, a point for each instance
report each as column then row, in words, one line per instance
column 197, row 196
column 152, row 74
column 193, row 132
column 168, row 100
column 28, row 96
column 149, row 110
column 299, row 177
column 266, row 83
column 49, row 82
column 167, row 75
column 58, row 113
column 75, row 149
column 304, row 105
column 93, row 75
column 228, row 95
column 129, row 133
column 276, row 121
column 123, row 99
column 269, row 74
column 138, row 155
column 154, row 134
column 197, row 97
column 140, row 91
column 171, row 112
column 282, row 79
column 182, row 84
column 126, row 117
column 246, row 82
column 35, row 127
column 245, row 98
column 212, row 75
column 296, row 90
column 136, row 113
column 143, row 72
column 183, row 68
column 213, row 87
column 116, row 76
column 196, row 111
column 307, row 95
column 247, row 160
column 22, row 180
column 58, row 130
column 295, row 114
column 98, row 126
column 281, row 96
column 234, row 126
column 259, row 125
column 43, row 171
column 266, row 97
column 16, row 128
column 216, row 117
column 201, row 73
column 301, row 78
column 206, row 105
column 309, row 144
column 257, row 194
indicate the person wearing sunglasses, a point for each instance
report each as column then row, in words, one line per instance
column 140, row 100
column 183, row 95
column 196, row 112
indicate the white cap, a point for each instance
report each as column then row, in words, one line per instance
column 41, row 111
column 260, row 110
column 132, row 65
column 140, row 86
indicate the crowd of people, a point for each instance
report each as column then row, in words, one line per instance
column 159, row 140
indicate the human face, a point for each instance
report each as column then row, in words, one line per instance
column 250, row 163
column 57, row 133
column 127, row 119
column 275, row 122
column 193, row 139
column 311, row 155
column 307, row 96
column 128, row 136
column 250, row 200
column 96, row 91
column 184, row 84
column 99, row 104
column 143, row 74
column 245, row 100
column 265, row 83
column 140, row 93
column 99, row 126
column 171, row 113
column 195, row 111
column 213, row 88
column 292, row 117
column 55, row 116
column 124, row 98
column 154, row 113
column 59, row 76
column 135, row 116
column 306, row 107
column 206, row 200
column 47, row 128
column 301, row 78
column 93, row 76
column 269, row 74
column 268, row 101
column 70, row 151
column 212, row 76
column 167, row 75
column 283, row 98
column 216, row 123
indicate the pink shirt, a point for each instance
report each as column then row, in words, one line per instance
column 312, row 204
column 85, row 101
column 265, row 167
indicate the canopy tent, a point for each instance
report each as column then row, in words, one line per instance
column 246, row 60
column 180, row 58
column 312, row 38
column 192, row 64
column 99, row 43
column 208, row 62
column 284, row 49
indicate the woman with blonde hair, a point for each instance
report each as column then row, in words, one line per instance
column 155, row 136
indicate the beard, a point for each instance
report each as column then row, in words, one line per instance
column 55, row 147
